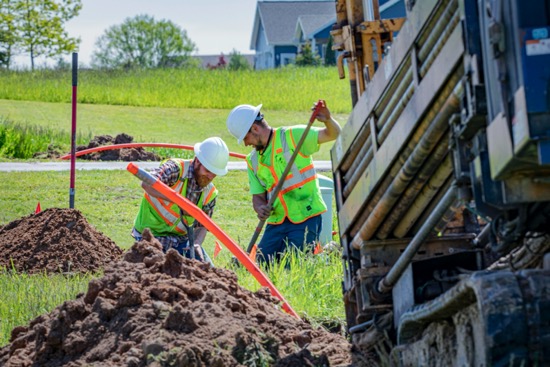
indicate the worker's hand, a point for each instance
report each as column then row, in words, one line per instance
column 323, row 114
column 264, row 211
column 198, row 252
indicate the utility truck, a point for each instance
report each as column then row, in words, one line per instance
column 442, row 181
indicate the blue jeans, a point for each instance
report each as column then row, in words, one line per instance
column 277, row 237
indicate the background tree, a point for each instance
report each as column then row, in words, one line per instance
column 39, row 25
column 307, row 56
column 143, row 42
column 8, row 35
column 330, row 55
column 238, row 61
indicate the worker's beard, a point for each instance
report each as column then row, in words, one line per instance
column 260, row 147
column 202, row 181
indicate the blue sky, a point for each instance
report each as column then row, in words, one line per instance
column 215, row 26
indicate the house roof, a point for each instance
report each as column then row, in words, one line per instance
column 279, row 18
column 309, row 25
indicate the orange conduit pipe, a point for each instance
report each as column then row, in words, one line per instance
column 205, row 220
column 139, row 145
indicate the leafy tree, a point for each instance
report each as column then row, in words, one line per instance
column 238, row 61
column 307, row 56
column 143, row 42
column 330, row 55
column 8, row 36
column 39, row 26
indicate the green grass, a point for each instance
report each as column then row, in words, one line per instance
column 24, row 141
column 25, row 297
column 145, row 124
column 289, row 89
column 170, row 106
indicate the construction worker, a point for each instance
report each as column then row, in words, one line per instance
column 192, row 179
column 295, row 218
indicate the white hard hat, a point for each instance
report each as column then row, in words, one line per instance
column 213, row 154
column 240, row 120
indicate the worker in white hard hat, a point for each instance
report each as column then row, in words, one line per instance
column 295, row 218
column 192, row 179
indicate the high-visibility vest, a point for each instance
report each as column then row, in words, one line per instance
column 162, row 217
column 300, row 196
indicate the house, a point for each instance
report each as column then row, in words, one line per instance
column 314, row 29
column 274, row 31
column 282, row 26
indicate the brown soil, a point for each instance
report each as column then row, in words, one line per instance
column 161, row 309
column 127, row 155
column 55, row 240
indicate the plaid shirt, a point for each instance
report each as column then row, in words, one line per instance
column 168, row 173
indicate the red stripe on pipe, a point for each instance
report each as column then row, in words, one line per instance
column 138, row 145
column 207, row 222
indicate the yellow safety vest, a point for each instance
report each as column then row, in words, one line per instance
column 300, row 196
column 162, row 217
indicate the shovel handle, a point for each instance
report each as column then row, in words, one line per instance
column 320, row 103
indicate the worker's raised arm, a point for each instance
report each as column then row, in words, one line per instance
column 332, row 127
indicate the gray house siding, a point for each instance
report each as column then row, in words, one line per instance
column 264, row 52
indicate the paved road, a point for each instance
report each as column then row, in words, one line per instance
column 80, row 165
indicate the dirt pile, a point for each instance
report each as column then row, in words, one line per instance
column 55, row 240
column 126, row 154
column 160, row 309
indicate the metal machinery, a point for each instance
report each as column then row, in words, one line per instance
column 442, row 181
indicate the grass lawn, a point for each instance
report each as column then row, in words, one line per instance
column 146, row 124
column 161, row 106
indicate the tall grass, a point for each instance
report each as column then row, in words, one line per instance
column 311, row 284
column 290, row 89
column 24, row 297
column 19, row 140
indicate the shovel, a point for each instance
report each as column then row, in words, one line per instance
column 275, row 193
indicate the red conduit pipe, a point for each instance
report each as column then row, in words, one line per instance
column 205, row 220
column 138, row 145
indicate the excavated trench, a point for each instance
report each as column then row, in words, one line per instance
column 149, row 308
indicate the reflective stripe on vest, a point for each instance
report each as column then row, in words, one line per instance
column 169, row 211
column 295, row 177
column 300, row 197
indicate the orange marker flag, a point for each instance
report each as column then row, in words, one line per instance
column 38, row 209
column 217, row 249
column 318, row 249
column 252, row 254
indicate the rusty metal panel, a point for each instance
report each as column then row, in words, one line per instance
column 387, row 251
column 401, row 47
column 451, row 54
column 526, row 190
